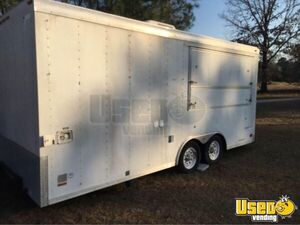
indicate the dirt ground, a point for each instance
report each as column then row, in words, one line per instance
column 264, row 170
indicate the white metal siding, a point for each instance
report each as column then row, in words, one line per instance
column 223, row 89
column 18, row 98
column 126, row 68
column 122, row 87
column 18, row 111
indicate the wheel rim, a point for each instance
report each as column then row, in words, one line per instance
column 214, row 150
column 190, row 158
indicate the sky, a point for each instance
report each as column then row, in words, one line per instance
column 208, row 21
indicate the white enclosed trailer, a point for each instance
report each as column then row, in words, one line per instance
column 89, row 99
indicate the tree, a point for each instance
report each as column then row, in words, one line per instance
column 268, row 24
column 294, row 52
column 5, row 5
column 295, row 60
column 289, row 70
column 176, row 12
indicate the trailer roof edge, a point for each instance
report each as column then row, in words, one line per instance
column 89, row 15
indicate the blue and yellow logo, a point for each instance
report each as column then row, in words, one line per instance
column 265, row 210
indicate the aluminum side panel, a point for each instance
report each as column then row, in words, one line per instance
column 18, row 95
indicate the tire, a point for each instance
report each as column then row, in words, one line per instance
column 190, row 157
column 213, row 150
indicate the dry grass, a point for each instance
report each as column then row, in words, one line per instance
column 264, row 170
column 284, row 86
column 281, row 90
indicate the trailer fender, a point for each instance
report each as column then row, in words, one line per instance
column 200, row 140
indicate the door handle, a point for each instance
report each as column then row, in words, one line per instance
column 193, row 82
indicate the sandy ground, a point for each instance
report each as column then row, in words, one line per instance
column 264, row 170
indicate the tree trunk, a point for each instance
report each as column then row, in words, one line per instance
column 264, row 87
column 264, row 76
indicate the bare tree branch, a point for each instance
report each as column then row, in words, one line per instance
column 269, row 24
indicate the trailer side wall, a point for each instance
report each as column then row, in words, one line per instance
column 18, row 97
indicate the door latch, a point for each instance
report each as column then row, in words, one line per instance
column 64, row 136
column 61, row 137
column 192, row 105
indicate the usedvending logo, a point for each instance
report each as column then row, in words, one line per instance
column 265, row 210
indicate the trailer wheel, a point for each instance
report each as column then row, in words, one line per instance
column 213, row 150
column 189, row 157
